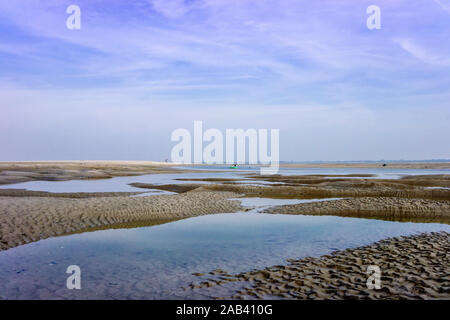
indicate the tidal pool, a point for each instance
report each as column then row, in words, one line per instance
column 121, row 184
column 157, row 262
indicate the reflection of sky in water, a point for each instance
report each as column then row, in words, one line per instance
column 120, row 184
column 269, row 202
column 155, row 262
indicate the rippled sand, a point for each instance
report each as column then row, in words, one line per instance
column 375, row 207
column 413, row 267
column 28, row 219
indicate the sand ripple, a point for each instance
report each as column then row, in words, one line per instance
column 414, row 267
column 28, row 219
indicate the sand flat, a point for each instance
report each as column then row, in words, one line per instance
column 28, row 219
column 374, row 207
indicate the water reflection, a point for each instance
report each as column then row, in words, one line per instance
column 157, row 262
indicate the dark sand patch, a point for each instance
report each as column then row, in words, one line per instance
column 375, row 207
column 74, row 195
column 178, row 188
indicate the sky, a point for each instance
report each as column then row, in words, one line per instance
column 137, row 70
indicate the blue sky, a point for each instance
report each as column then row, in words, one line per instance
column 137, row 70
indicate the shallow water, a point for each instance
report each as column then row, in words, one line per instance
column 259, row 203
column 121, row 184
column 157, row 262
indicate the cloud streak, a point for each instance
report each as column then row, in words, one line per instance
column 311, row 60
column 422, row 54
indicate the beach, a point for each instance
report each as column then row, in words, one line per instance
column 414, row 267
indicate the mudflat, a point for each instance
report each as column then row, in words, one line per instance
column 418, row 210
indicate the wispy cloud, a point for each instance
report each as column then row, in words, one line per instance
column 307, row 59
column 444, row 4
column 170, row 8
column 423, row 54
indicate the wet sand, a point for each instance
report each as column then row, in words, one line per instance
column 28, row 219
column 348, row 189
column 14, row 172
column 376, row 207
column 413, row 267
column 359, row 181
column 178, row 188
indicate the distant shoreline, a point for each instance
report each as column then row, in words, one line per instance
column 144, row 165
column 396, row 165
column 350, row 164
